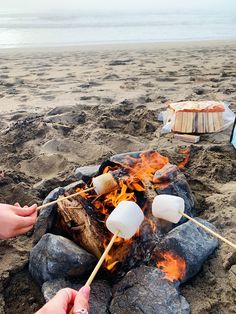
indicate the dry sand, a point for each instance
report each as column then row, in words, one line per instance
column 72, row 107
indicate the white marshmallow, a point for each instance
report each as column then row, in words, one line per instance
column 127, row 218
column 105, row 183
column 167, row 207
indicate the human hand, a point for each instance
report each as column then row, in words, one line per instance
column 65, row 299
column 16, row 220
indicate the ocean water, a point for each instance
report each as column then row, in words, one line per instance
column 50, row 30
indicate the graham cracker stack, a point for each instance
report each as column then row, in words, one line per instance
column 197, row 116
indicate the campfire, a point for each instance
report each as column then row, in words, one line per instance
column 138, row 177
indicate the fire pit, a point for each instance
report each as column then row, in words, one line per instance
column 140, row 275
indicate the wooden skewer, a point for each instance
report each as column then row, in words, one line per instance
column 64, row 198
column 215, row 234
column 99, row 264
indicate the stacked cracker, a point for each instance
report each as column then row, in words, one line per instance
column 197, row 116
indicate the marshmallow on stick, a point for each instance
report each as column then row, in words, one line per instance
column 124, row 221
column 103, row 184
column 171, row 208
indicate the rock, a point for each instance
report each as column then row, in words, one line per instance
column 191, row 243
column 178, row 185
column 199, row 90
column 86, row 172
column 144, row 291
column 99, row 299
column 47, row 215
column 57, row 257
column 2, row 304
column 120, row 158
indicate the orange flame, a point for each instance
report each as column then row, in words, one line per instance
column 115, row 197
column 145, row 166
column 172, row 265
column 185, row 151
column 112, row 259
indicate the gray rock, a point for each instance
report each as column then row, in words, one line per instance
column 191, row 243
column 57, row 257
column 47, row 215
column 82, row 173
column 178, row 185
column 2, row 304
column 100, row 293
column 120, row 158
column 144, row 291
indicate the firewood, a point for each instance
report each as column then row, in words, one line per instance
column 221, row 120
column 178, row 121
column 200, row 125
column 90, row 230
column 190, row 122
column 210, row 122
column 189, row 138
column 185, row 122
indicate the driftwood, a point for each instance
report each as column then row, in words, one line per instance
column 79, row 219
column 82, row 222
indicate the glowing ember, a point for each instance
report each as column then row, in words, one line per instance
column 172, row 265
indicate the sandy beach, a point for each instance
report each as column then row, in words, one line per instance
column 68, row 107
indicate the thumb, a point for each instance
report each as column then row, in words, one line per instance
column 82, row 299
column 25, row 211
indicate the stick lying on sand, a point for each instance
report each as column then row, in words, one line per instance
column 171, row 208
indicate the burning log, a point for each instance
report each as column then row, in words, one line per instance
column 83, row 223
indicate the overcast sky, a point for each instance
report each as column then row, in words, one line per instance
column 75, row 6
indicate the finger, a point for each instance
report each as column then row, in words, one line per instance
column 17, row 205
column 59, row 303
column 25, row 211
column 82, row 299
column 23, row 230
column 63, row 298
column 24, row 222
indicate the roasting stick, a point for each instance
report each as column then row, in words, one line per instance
column 103, row 184
column 124, row 221
column 64, row 198
column 102, row 258
column 171, row 208
column 215, row 234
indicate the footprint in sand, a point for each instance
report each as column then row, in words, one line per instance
column 44, row 166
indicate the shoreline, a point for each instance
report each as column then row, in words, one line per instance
column 124, row 46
